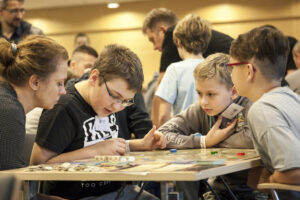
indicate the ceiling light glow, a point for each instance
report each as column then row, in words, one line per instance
column 113, row 5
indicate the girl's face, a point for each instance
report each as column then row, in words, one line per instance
column 50, row 89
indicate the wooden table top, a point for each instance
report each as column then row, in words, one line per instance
column 183, row 165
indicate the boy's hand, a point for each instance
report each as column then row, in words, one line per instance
column 153, row 140
column 113, row 146
column 217, row 135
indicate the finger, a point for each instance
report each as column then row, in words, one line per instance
column 231, row 126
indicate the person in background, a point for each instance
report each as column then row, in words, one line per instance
column 82, row 60
column 81, row 39
column 258, row 64
column 12, row 26
column 34, row 72
column 159, row 25
column 177, row 88
column 201, row 125
column 83, row 124
column 293, row 78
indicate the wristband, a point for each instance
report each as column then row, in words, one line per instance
column 127, row 146
column 202, row 142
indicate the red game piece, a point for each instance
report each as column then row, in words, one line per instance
column 241, row 153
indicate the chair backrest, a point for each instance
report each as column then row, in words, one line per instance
column 7, row 186
column 278, row 186
column 29, row 141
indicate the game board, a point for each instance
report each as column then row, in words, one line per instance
column 155, row 161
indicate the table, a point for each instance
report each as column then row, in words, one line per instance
column 163, row 166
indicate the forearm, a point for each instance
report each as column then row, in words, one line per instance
column 286, row 177
column 137, row 145
column 155, row 111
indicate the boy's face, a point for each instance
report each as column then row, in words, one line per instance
column 100, row 96
column 239, row 76
column 81, row 63
column 213, row 96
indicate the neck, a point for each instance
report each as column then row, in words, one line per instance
column 83, row 89
column 261, row 88
column 26, row 97
column 186, row 55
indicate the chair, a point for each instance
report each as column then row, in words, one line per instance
column 9, row 187
column 29, row 140
column 277, row 186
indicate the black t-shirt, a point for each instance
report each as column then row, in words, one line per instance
column 219, row 42
column 72, row 124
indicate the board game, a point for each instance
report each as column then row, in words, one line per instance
column 153, row 161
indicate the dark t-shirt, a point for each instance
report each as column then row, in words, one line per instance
column 12, row 129
column 72, row 124
column 219, row 42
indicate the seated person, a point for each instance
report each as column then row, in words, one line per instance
column 258, row 60
column 78, row 127
column 34, row 72
column 177, row 88
column 215, row 92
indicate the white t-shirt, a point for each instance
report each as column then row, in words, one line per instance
column 178, row 85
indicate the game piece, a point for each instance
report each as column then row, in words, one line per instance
column 240, row 153
column 173, row 150
column 213, row 152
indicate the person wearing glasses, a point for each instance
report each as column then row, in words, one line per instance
column 258, row 59
column 12, row 26
column 78, row 127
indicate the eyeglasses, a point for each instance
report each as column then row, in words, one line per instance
column 125, row 103
column 16, row 11
column 229, row 66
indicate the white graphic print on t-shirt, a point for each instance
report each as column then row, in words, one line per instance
column 97, row 129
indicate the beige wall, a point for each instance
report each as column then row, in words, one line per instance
column 123, row 25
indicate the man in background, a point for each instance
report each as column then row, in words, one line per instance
column 294, row 78
column 159, row 25
column 12, row 26
column 81, row 39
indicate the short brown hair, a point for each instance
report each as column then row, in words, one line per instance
column 36, row 54
column 117, row 61
column 193, row 33
column 159, row 15
column 214, row 66
column 268, row 48
column 4, row 2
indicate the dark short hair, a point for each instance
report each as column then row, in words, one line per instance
column 159, row 15
column 87, row 50
column 80, row 34
column 36, row 54
column 117, row 61
column 4, row 2
column 268, row 47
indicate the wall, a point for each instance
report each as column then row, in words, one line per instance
column 123, row 25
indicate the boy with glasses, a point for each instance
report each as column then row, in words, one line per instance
column 78, row 127
column 12, row 26
column 258, row 61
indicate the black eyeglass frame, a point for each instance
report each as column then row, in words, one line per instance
column 124, row 103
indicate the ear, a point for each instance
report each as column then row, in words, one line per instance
column 34, row 82
column 163, row 28
column 72, row 64
column 178, row 43
column 94, row 76
column 250, row 72
column 234, row 93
